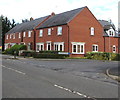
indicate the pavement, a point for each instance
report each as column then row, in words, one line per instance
column 114, row 73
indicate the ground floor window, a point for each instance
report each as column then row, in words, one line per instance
column 39, row 47
column 114, row 49
column 78, row 48
column 95, row 48
column 59, row 46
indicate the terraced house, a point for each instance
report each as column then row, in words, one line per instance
column 73, row 32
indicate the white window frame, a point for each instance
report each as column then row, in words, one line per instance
column 7, row 37
column 19, row 35
column 29, row 33
column 49, row 31
column 40, row 49
column 80, row 44
column 10, row 36
column 24, row 34
column 14, row 36
column 114, row 46
column 48, row 43
column 59, row 30
column 92, row 31
column 96, row 48
column 58, row 44
column 41, row 33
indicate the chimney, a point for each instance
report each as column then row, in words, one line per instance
column 52, row 14
column 31, row 19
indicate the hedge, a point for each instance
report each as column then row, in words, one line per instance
column 16, row 48
column 50, row 55
column 103, row 56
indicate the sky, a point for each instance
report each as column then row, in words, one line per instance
column 24, row 9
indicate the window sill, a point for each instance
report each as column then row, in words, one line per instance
column 78, row 53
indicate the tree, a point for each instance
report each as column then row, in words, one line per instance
column 6, row 26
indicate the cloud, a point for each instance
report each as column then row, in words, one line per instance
column 22, row 9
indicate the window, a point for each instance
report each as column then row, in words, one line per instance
column 14, row 36
column 95, row 48
column 29, row 33
column 19, row 35
column 59, row 31
column 78, row 47
column 59, row 46
column 48, row 45
column 10, row 36
column 24, row 34
column 49, row 31
column 41, row 33
column 92, row 31
column 7, row 37
column 39, row 47
column 114, row 49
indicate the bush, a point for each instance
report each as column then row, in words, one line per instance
column 29, row 53
column 50, row 55
column 103, row 56
column 49, row 52
column 16, row 48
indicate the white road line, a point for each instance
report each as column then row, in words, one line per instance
column 14, row 70
column 75, row 92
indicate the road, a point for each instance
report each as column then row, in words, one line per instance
column 32, row 78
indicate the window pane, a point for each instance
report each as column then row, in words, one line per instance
column 81, row 48
column 96, row 48
column 74, row 48
column 37, row 47
column 61, row 47
column 78, row 49
column 59, row 30
column 41, row 48
column 93, row 48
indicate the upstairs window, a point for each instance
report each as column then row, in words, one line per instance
column 29, row 33
column 10, row 36
column 41, row 33
column 7, row 37
column 14, row 36
column 19, row 35
column 59, row 31
column 24, row 34
column 95, row 48
column 49, row 31
column 92, row 31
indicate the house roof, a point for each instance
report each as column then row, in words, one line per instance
column 30, row 25
column 106, row 24
column 61, row 19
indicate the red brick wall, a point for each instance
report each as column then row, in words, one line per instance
column 80, row 31
column 16, row 40
column 109, row 42
column 54, row 37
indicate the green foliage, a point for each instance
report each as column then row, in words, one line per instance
column 48, row 52
column 15, row 49
column 50, row 55
column 103, row 56
column 6, row 26
column 27, row 53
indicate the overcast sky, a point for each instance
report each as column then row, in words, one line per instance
column 24, row 9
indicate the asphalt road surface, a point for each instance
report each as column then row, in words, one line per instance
column 33, row 78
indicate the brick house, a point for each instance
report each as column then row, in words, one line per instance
column 74, row 32
column 24, row 33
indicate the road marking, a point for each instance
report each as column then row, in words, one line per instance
column 75, row 92
column 14, row 70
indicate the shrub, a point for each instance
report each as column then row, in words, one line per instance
column 50, row 55
column 49, row 52
column 27, row 53
column 16, row 48
column 103, row 56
